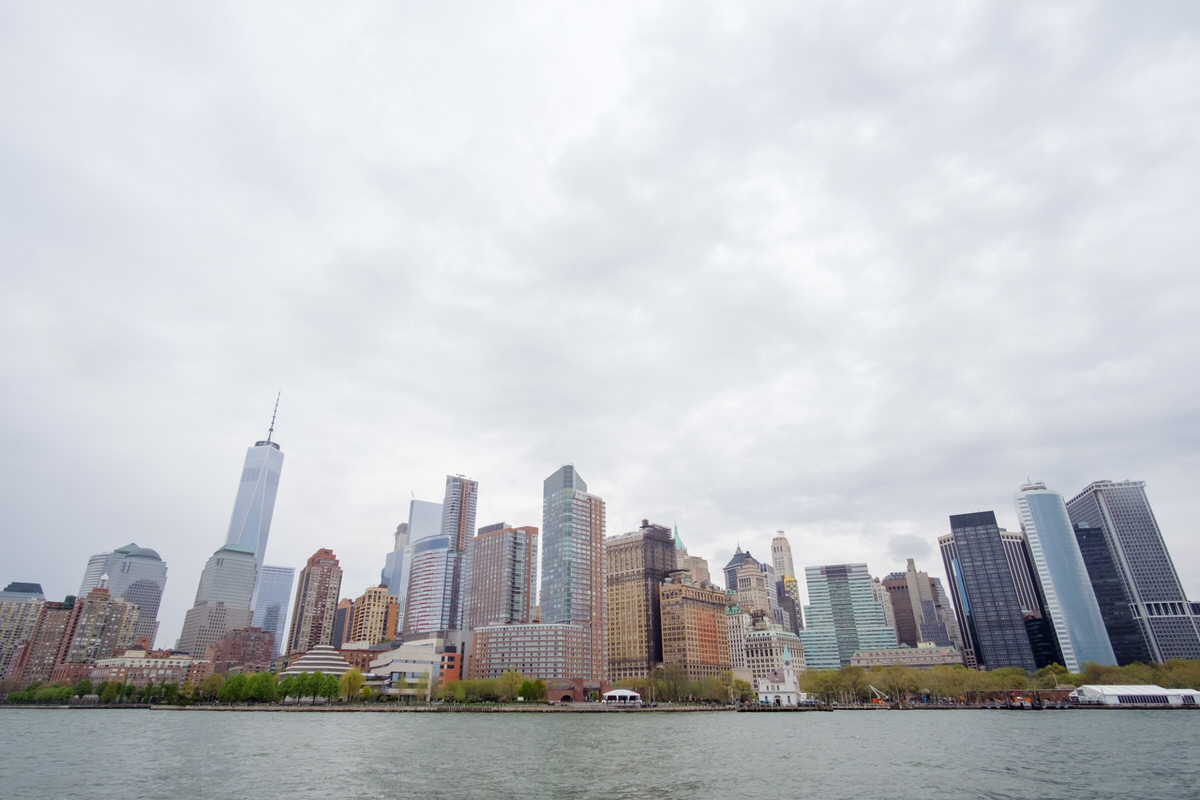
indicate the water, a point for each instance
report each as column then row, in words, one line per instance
column 853, row 755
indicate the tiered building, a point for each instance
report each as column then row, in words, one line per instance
column 316, row 600
column 136, row 575
column 637, row 563
column 223, row 600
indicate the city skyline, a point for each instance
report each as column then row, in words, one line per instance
column 841, row 290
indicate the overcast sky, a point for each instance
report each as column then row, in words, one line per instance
column 838, row 269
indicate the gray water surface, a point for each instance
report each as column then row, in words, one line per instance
column 135, row 754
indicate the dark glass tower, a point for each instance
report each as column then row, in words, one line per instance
column 993, row 627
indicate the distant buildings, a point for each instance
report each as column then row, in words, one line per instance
column 1062, row 578
column 921, row 613
column 923, row 656
column 434, row 600
column 20, row 605
column 135, row 574
column 424, row 531
column 245, row 650
column 141, row 668
column 636, row 563
column 392, row 573
column 374, row 617
column 1153, row 592
column 772, row 651
column 843, row 616
column 316, row 600
column 223, row 599
column 990, row 616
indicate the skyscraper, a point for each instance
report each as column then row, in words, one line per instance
column 1135, row 543
column 458, row 525
column 250, row 523
column 435, row 573
column 1124, row 630
column 572, row 589
column 992, row 625
column 316, row 601
column 919, row 610
column 222, row 599
column 393, row 567
column 1062, row 578
column 136, row 575
column 501, row 582
column 374, row 617
column 842, row 616
column 273, row 601
column 781, row 557
column 424, row 525
column 636, row 564
column 694, row 630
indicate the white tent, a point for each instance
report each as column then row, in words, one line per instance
column 622, row 696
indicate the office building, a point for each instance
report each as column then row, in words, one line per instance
column 1125, row 632
column 771, row 650
column 636, row 564
column 918, row 608
column 573, row 570
column 135, row 574
column 316, row 600
column 433, row 564
column 735, row 563
column 695, row 565
column 250, row 522
column 1062, row 578
column 245, row 650
column 392, row 573
column 751, row 584
column 1155, row 595
column 694, row 629
column 223, row 599
column 100, row 626
column 501, row 583
column 343, row 615
column 990, row 616
column 273, row 601
column 781, row 556
column 842, row 617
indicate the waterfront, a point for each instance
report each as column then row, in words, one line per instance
column 133, row 754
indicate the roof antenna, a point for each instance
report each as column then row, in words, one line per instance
column 271, row 430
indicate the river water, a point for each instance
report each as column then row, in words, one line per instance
column 133, row 754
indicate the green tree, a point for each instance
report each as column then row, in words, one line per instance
column 210, row 686
column 509, row 684
column 233, row 690
column 287, row 686
column 83, row 687
column 350, row 682
column 110, row 692
column 261, row 688
column 329, row 687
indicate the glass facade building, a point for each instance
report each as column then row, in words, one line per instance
column 250, row 523
column 842, row 617
column 1062, row 578
column 989, row 613
column 137, row 575
column 273, row 600
column 222, row 599
column 1135, row 543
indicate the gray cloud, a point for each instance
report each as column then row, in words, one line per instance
column 837, row 271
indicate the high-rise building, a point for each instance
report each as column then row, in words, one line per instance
column 1062, row 578
column 343, row 616
column 434, row 591
column 250, row 523
column 316, row 599
column 246, row 650
column 1016, row 555
column 273, row 601
column 842, row 617
column 374, row 618
column 770, row 649
column 990, row 616
column 222, row 599
column 18, row 615
column 636, row 564
column 424, row 533
column 392, row 573
column 731, row 569
column 1135, row 543
column 572, row 587
column 919, row 610
column 36, row 660
column 1124, row 630
column 501, row 583
column 136, row 575
column 781, row 556
column 882, row 597
column 694, row 629
column 100, row 626
column 752, row 590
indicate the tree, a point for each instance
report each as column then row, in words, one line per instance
column 287, row 686
column 329, row 687
column 210, row 686
column 83, row 687
column 234, row 689
column 350, row 682
column 509, row 684
column 110, row 692
column 261, row 688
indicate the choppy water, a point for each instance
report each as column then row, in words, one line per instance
column 853, row 755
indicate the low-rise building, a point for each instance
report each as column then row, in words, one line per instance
column 143, row 667
column 923, row 656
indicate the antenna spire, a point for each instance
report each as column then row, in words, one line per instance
column 271, row 430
